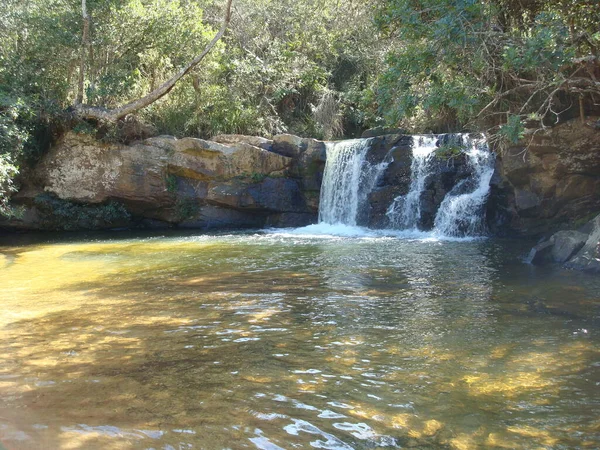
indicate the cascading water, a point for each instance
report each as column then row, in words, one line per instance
column 347, row 181
column 349, row 178
column 461, row 211
column 405, row 211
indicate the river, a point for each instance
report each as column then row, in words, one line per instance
column 277, row 339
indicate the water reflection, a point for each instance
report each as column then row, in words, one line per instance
column 259, row 341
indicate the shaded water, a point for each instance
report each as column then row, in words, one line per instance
column 281, row 341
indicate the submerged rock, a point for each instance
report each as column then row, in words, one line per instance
column 559, row 248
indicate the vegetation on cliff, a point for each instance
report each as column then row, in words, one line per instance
column 318, row 68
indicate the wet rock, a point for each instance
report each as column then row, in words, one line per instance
column 588, row 258
column 567, row 244
column 278, row 194
column 549, row 182
column 214, row 217
column 559, row 248
column 541, row 253
column 291, row 220
column 309, row 166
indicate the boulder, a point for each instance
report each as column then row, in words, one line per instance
column 559, row 248
column 588, row 258
column 256, row 141
column 567, row 244
column 289, row 145
column 541, row 253
column 549, row 181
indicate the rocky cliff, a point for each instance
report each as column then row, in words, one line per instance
column 232, row 181
column 549, row 181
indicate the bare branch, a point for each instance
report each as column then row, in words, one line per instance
column 85, row 39
column 111, row 115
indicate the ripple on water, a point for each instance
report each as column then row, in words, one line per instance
column 280, row 339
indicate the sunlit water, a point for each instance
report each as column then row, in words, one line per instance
column 295, row 340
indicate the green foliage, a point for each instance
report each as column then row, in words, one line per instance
column 258, row 177
column 470, row 63
column 83, row 127
column 274, row 65
column 186, row 208
column 171, row 182
column 513, row 130
column 65, row 215
column 8, row 172
column 447, row 151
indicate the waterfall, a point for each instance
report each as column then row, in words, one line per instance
column 350, row 176
column 461, row 212
column 347, row 181
column 405, row 211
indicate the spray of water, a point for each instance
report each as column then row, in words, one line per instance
column 461, row 213
column 405, row 211
column 347, row 181
column 349, row 178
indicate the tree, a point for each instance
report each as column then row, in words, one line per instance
column 493, row 64
column 100, row 113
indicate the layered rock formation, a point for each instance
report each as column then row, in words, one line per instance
column 550, row 181
column 233, row 181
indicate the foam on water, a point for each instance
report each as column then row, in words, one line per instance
column 405, row 211
column 349, row 178
column 338, row 231
column 347, row 181
column 461, row 212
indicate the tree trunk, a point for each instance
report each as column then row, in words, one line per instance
column 98, row 113
column 84, row 45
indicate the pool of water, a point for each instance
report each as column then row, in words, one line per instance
column 276, row 340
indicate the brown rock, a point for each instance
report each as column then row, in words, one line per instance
column 553, row 178
column 242, row 139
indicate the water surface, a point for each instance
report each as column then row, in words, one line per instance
column 283, row 340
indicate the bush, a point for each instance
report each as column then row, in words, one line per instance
column 66, row 215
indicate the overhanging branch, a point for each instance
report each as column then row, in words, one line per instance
column 112, row 115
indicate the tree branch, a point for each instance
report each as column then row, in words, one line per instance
column 84, row 44
column 112, row 115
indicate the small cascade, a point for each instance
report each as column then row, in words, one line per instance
column 350, row 177
column 347, row 181
column 405, row 211
column 461, row 212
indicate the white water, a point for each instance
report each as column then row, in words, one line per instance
column 347, row 181
column 461, row 213
column 349, row 178
column 405, row 211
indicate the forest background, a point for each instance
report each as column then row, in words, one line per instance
column 320, row 68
